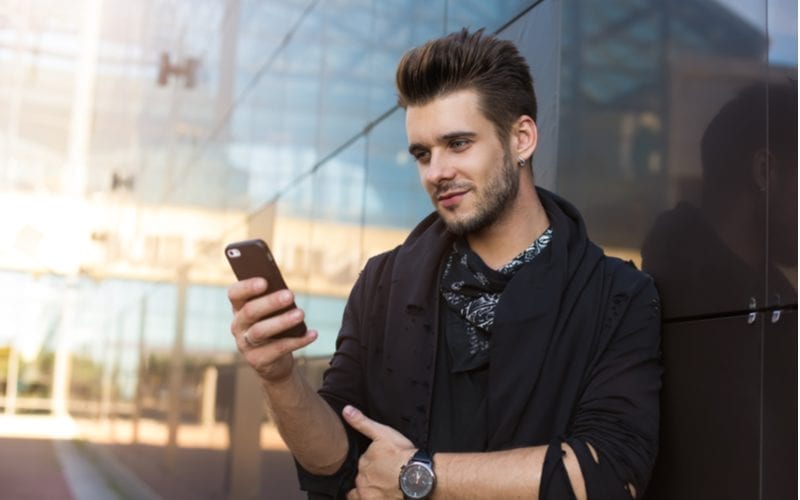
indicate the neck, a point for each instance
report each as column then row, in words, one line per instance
column 523, row 222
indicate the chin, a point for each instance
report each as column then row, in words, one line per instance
column 464, row 225
column 453, row 223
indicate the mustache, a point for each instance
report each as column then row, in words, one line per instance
column 448, row 186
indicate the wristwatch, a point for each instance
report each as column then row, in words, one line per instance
column 417, row 478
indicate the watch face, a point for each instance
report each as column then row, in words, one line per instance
column 416, row 480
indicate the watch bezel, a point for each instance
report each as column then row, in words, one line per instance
column 410, row 467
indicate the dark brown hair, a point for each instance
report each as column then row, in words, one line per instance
column 463, row 60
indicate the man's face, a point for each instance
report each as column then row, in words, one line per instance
column 464, row 167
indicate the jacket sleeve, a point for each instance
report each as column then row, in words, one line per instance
column 343, row 384
column 618, row 411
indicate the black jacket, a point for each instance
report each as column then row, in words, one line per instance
column 574, row 357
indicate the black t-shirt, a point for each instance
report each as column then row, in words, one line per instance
column 459, row 408
column 458, row 411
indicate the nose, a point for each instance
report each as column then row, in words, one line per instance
column 438, row 169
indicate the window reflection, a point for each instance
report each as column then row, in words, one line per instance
column 709, row 253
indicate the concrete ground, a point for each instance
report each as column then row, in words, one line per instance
column 44, row 457
column 30, row 468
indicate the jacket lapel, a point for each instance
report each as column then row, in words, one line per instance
column 409, row 350
column 538, row 321
column 525, row 319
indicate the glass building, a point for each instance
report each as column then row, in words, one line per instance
column 138, row 138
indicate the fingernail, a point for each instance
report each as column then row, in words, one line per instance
column 286, row 296
column 349, row 411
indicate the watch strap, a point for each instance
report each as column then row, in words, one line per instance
column 422, row 456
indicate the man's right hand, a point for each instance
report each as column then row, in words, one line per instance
column 270, row 357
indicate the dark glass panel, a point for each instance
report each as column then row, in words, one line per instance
column 778, row 171
column 779, row 467
column 646, row 154
column 707, row 251
column 710, row 410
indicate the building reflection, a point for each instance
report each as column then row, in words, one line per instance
column 713, row 256
column 138, row 138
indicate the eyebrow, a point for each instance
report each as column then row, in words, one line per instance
column 443, row 138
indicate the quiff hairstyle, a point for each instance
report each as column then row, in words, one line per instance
column 461, row 61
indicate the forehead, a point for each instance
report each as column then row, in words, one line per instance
column 454, row 111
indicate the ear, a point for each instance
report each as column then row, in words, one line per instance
column 761, row 168
column 524, row 137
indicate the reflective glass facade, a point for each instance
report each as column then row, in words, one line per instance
column 138, row 138
column 678, row 143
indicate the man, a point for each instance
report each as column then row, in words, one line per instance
column 496, row 353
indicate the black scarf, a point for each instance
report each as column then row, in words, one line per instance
column 472, row 291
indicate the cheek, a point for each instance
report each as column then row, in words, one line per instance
column 488, row 162
column 483, row 172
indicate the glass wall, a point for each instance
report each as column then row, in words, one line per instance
column 138, row 139
column 678, row 144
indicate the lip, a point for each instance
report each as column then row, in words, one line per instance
column 451, row 198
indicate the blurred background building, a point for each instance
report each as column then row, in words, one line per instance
column 138, row 138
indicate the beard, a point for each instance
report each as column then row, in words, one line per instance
column 493, row 200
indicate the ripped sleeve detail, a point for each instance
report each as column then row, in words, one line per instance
column 555, row 483
column 599, row 475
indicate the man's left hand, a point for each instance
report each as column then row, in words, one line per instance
column 379, row 467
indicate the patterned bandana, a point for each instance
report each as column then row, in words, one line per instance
column 472, row 289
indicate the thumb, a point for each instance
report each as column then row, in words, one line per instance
column 362, row 423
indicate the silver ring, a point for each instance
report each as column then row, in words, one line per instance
column 248, row 341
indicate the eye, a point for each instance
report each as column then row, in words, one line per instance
column 459, row 144
column 421, row 156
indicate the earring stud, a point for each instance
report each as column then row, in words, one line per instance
column 521, row 161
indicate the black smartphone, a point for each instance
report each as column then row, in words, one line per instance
column 251, row 259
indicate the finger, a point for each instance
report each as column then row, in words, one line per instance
column 256, row 309
column 353, row 495
column 242, row 291
column 267, row 328
column 362, row 423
